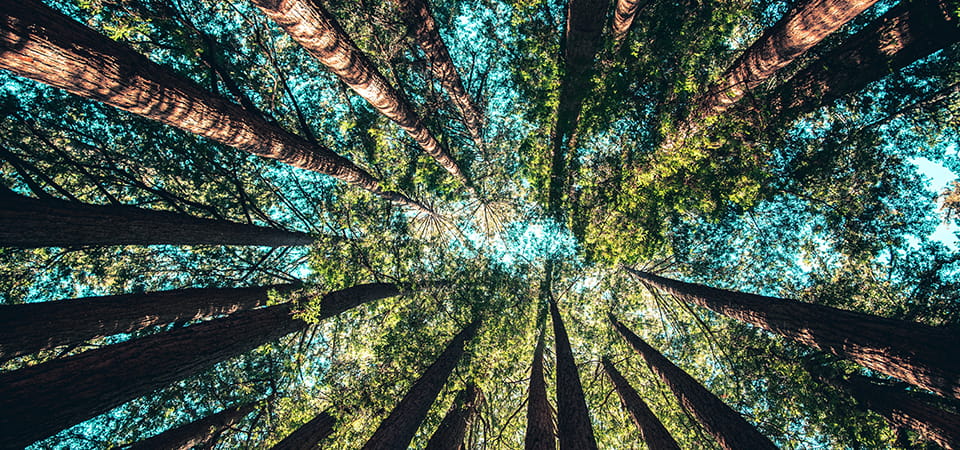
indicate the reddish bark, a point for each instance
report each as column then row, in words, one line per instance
column 574, row 429
column 540, row 432
column 623, row 16
column 453, row 429
column 195, row 434
column 653, row 432
column 310, row 434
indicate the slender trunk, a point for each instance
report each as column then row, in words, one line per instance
column 195, row 434
column 730, row 430
column 623, row 16
column 540, row 434
column 310, row 434
column 575, row 431
column 421, row 25
column 38, row 401
column 32, row 327
column 654, row 433
column 453, row 428
column 398, row 429
column 919, row 354
column 44, row 45
column 309, row 23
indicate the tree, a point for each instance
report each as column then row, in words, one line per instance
column 654, row 434
column 623, row 16
column 310, row 434
column 540, row 430
column 453, row 429
column 574, row 430
column 723, row 423
column 198, row 433
column 918, row 354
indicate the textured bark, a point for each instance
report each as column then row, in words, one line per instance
column 730, row 430
column 196, row 433
column 39, row 43
column 453, row 429
column 308, row 23
column 919, row 354
column 32, row 327
column 539, row 434
column 421, row 25
column 309, row 435
column 40, row 400
column 398, row 429
column 653, row 432
column 574, row 430
column 623, row 16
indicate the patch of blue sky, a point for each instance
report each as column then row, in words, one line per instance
column 939, row 178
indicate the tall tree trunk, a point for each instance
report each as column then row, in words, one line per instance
column 540, row 432
column 623, row 16
column 573, row 420
column 38, row 401
column 421, row 25
column 309, row 23
column 919, row 354
column 453, row 428
column 654, row 433
column 32, row 327
column 730, row 430
column 398, row 429
column 197, row 433
column 44, row 45
column 310, row 434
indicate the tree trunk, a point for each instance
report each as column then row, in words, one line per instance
column 398, row 429
column 309, row 435
column 730, row 430
column 309, row 23
column 453, row 428
column 623, row 16
column 421, row 25
column 32, row 327
column 540, row 432
column 197, row 433
column 41, row 44
column 573, row 420
column 38, row 401
column 919, row 354
column 653, row 432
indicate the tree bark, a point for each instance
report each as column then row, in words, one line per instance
column 540, row 432
column 574, row 428
column 309, row 23
column 398, row 429
column 623, row 17
column 40, row 400
column 730, row 430
column 453, row 429
column 653, row 432
column 32, row 327
column 196, row 433
column 310, row 434
column 919, row 354
column 39, row 43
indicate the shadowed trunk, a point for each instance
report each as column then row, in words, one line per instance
column 309, row 434
column 453, row 428
column 32, row 327
column 197, row 433
column 539, row 434
column 309, row 23
column 623, row 16
column 398, row 429
column 44, row 45
column 38, row 401
column 919, row 354
column 730, row 430
column 574, row 429
column 653, row 432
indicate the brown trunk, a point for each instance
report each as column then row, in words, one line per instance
column 654, row 434
column 540, row 434
column 195, row 434
column 41, row 400
column 39, row 43
column 453, row 428
column 921, row 355
column 730, row 430
column 32, row 327
column 309, row 435
column 308, row 23
column 398, row 429
column 623, row 16
column 421, row 25
column 574, row 429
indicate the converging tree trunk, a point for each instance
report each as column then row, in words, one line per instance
column 40, row 400
column 398, row 429
column 623, row 16
column 653, row 432
column 730, row 430
column 195, row 434
column 310, row 434
column 574, row 429
column 309, row 23
column 44, row 45
column 32, row 327
column 919, row 354
column 453, row 429
column 540, row 430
